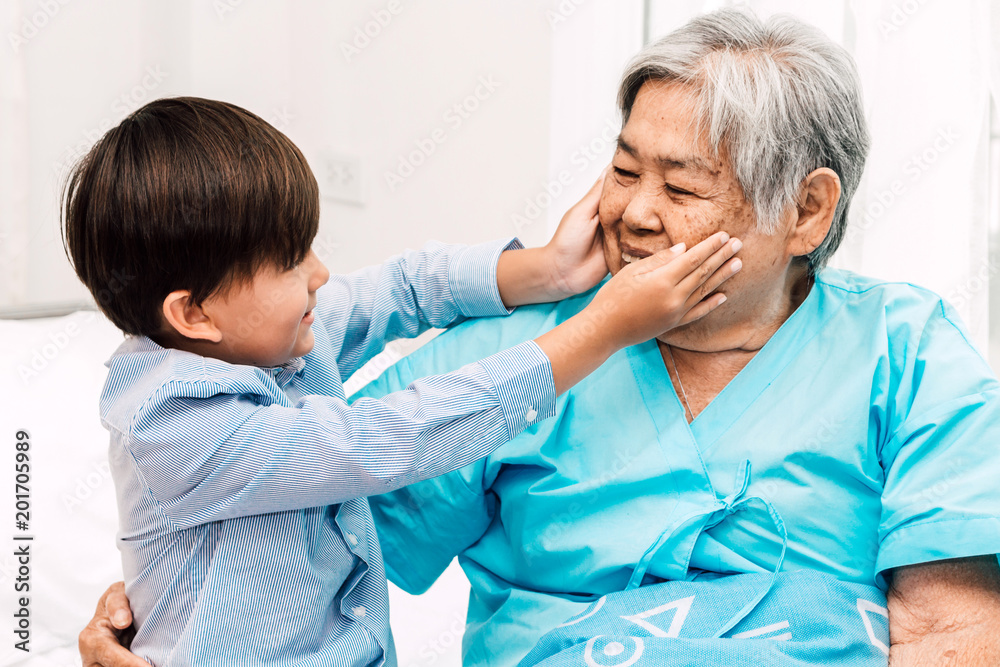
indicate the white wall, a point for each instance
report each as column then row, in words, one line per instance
column 91, row 63
column 591, row 45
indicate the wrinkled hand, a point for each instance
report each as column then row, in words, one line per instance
column 576, row 251
column 105, row 640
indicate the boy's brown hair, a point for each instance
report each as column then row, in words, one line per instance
column 185, row 193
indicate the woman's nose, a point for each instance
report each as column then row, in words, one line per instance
column 640, row 215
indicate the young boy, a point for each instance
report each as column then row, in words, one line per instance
column 241, row 472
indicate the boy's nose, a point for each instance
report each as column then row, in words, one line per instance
column 320, row 275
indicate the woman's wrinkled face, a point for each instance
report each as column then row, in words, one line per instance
column 665, row 187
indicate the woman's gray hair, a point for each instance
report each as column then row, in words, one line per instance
column 781, row 96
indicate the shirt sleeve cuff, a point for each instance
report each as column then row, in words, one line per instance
column 472, row 276
column 937, row 540
column 523, row 378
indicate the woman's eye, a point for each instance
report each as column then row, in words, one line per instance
column 675, row 190
column 625, row 175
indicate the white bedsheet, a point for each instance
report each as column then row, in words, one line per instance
column 53, row 371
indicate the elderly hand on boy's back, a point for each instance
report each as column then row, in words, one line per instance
column 105, row 640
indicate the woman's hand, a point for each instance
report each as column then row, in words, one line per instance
column 105, row 640
column 576, row 251
column 571, row 263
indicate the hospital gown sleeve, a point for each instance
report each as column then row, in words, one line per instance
column 422, row 527
column 941, row 458
column 436, row 286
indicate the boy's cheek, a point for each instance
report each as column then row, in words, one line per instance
column 306, row 343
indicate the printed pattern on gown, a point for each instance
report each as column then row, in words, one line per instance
column 806, row 618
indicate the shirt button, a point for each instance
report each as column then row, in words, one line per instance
column 530, row 415
column 352, row 539
column 359, row 611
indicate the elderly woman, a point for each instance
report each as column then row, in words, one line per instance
column 819, row 421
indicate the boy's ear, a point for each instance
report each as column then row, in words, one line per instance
column 818, row 199
column 187, row 319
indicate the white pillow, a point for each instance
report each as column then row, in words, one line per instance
column 53, row 371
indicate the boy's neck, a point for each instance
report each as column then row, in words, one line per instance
column 173, row 341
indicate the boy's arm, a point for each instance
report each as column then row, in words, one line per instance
column 436, row 286
column 206, row 453
column 441, row 285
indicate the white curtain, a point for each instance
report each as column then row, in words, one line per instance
column 13, row 158
column 922, row 213
column 590, row 47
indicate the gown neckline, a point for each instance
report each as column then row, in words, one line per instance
column 743, row 390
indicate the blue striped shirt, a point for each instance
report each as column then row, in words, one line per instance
column 245, row 531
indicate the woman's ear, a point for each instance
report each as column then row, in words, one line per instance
column 817, row 204
column 188, row 320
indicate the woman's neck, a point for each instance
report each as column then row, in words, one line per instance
column 748, row 324
column 702, row 362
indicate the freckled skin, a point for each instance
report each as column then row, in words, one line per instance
column 650, row 206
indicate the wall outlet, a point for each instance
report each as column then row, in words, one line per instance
column 340, row 178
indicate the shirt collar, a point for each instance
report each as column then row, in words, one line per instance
column 282, row 373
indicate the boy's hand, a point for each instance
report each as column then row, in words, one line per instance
column 653, row 295
column 105, row 640
column 576, row 251
column 641, row 302
column 572, row 262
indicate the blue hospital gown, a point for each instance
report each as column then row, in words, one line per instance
column 870, row 423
